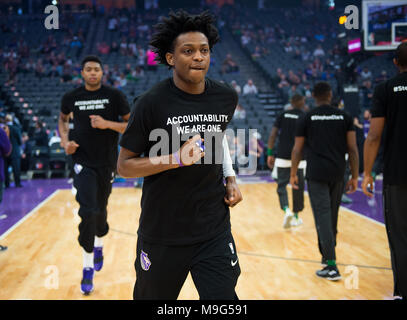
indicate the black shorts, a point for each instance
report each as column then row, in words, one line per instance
column 162, row 270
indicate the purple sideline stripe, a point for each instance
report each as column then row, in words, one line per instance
column 18, row 202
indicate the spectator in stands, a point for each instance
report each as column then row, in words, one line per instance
column 103, row 48
column 66, row 74
column 141, row 57
column 53, row 73
column 319, row 52
column 40, row 136
column 240, row 112
column 39, row 69
column 229, row 65
column 127, row 70
column 54, row 139
column 382, row 77
column 367, row 95
column 256, row 149
column 366, row 74
column 236, row 87
column 249, row 88
column 293, row 78
column 29, row 66
column 245, row 38
column 283, row 82
column 123, row 47
column 114, row 47
column 122, row 80
column 14, row 159
column 132, row 48
column 112, row 24
column 76, row 43
column 288, row 48
column 293, row 91
column 26, row 148
column 138, row 72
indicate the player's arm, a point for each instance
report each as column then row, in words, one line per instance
column 131, row 165
column 99, row 123
column 63, row 126
column 296, row 156
column 233, row 195
column 370, row 150
column 372, row 142
column 270, row 146
column 352, row 184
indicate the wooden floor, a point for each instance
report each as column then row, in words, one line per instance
column 44, row 260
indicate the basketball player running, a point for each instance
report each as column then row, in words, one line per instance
column 96, row 110
column 389, row 108
column 284, row 129
column 185, row 219
column 326, row 133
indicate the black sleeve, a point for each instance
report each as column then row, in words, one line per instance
column 122, row 103
column 136, row 136
column 277, row 123
column 66, row 104
column 379, row 101
column 349, row 123
column 300, row 130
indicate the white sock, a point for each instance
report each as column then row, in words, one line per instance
column 98, row 242
column 87, row 260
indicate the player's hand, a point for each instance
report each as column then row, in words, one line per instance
column 190, row 152
column 233, row 195
column 294, row 182
column 351, row 185
column 270, row 162
column 98, row 122
column 70, row 147
column 367, row 183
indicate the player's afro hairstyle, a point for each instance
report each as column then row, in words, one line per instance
column 169, row 28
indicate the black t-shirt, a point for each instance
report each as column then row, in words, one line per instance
column 389, row 101
column 286, row 123
column 325, row 130
column 183, row 205
column 97, row 147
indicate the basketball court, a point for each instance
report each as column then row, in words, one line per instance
column 44, row 261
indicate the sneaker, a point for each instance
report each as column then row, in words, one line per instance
column 287, row 219
column 87, row 281
column 98, row 258
column 3, row 248
column 295, row 222
column 329, row 273
column 346, row 200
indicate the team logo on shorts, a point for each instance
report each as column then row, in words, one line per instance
column 145, row 261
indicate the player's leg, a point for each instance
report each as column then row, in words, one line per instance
column 335, row 193
column 105, row 180
column 160, row 270
column 283, row 177
column 86, row 184
column 395, row 208
column 319, row 194
column 215, row 269
column 298, row 199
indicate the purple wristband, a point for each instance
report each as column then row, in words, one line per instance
column 178, row 159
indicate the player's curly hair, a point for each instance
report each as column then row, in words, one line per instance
column 166, row 31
